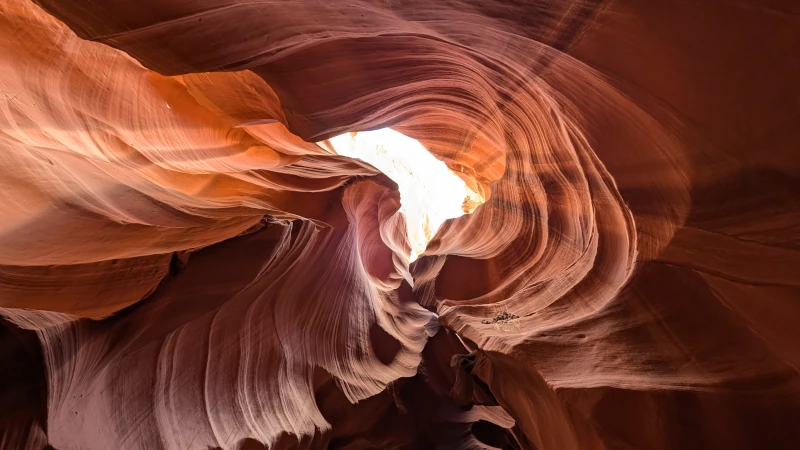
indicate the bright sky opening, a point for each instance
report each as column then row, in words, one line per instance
column 430, row 192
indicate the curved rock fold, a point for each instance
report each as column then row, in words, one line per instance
column 182, row 266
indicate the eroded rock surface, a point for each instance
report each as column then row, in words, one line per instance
column 182, row 266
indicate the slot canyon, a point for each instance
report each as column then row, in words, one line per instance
column 399, row 224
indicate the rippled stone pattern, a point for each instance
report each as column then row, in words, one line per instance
column 182, row 266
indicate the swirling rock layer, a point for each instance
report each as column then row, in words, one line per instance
column 181, row 266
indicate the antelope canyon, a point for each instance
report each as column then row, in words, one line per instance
column 399, row 224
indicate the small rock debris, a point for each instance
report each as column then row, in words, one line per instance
column 501, row 317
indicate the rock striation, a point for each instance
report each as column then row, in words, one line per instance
column 182, row 266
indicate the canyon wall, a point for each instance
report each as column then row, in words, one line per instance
column 181, row 266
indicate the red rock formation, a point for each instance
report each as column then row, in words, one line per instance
column 182, row 267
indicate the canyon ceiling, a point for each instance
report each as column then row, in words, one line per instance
column 183, row 266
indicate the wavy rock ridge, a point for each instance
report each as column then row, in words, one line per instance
column 181, row 266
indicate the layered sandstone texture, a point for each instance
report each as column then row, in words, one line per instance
column 186, row 261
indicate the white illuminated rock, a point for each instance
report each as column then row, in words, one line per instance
column 430, row 193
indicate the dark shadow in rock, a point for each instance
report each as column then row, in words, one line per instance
column 23, row 386
column 384, row 345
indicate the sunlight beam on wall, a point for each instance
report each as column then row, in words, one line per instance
column 430, row 192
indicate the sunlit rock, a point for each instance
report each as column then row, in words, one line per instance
column 430, row 193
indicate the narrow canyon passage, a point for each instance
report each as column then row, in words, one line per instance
column 550, row 225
